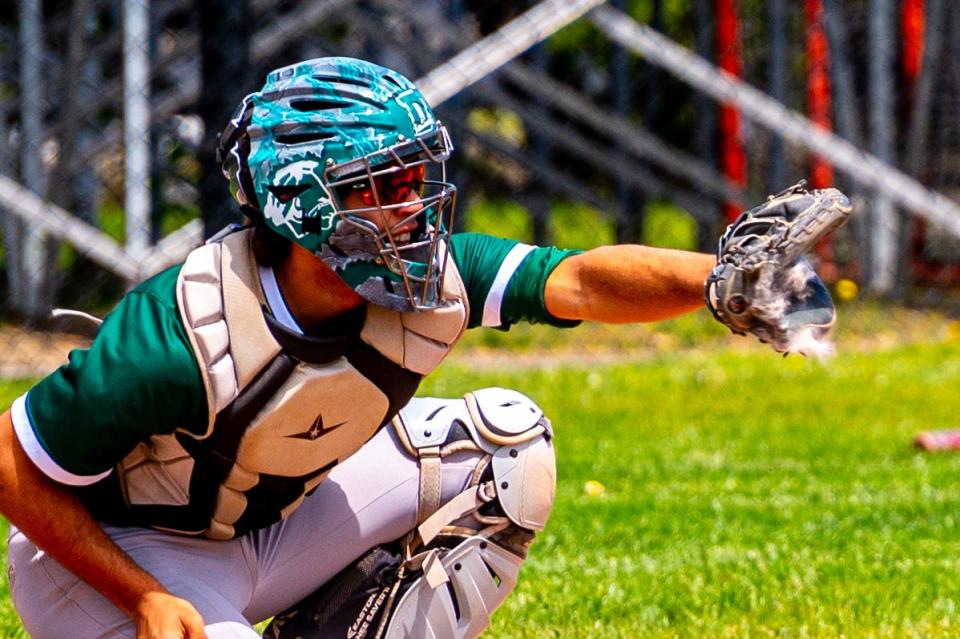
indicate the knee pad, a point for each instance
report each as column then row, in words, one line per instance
column 445, row 578
column 471, row 548
column 516, row 470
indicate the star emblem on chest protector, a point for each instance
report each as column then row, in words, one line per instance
column 316, row 430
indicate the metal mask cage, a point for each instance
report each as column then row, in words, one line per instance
column 419, row 262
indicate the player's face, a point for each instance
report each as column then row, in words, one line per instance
column 390, row 201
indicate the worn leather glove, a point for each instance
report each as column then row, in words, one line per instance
column 762, row 284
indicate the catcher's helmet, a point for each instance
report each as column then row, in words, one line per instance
column 331, row 130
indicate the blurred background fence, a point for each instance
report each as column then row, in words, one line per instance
column 577, row 122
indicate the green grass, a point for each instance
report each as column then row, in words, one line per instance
column 746, row 496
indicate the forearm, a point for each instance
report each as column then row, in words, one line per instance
column 628, row 283
column 54, row 519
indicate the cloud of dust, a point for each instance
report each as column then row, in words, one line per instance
column 780, row 298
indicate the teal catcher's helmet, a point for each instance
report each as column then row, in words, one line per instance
column 331, row 132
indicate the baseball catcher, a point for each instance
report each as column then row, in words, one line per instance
column 241, row 440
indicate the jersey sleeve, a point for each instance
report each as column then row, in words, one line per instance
column 505, row 279
column 137, row 379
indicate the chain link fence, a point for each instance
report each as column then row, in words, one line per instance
column 576, row 123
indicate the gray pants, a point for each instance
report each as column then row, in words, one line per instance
column 369, row 499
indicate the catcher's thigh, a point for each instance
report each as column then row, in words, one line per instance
column 53, row 603
column 448, row 575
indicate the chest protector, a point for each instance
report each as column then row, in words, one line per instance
column 283, row 409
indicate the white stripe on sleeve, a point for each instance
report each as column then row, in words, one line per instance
column 491, row 308
column 35, row 451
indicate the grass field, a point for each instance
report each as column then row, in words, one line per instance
column 746, row 495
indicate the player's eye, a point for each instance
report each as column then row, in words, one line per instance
column 285, row 193
column 364, row 190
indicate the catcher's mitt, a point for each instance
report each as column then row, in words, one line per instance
column 762, row 284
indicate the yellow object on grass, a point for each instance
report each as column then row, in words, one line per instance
column 593, row 488
column 847, row 289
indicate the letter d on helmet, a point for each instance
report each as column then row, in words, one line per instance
column 321, row 130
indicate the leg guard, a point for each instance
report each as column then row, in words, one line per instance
column 462, row 561
column 472, row 546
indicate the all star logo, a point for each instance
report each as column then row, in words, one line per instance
column 316, row 430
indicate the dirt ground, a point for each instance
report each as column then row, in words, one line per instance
column 28, row 353
column 31, row 353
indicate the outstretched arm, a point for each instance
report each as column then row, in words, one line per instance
column 627, row 283
column 54, row 519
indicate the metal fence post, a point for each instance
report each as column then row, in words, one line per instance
column 841, row 73
column 705, row 135
column 225, row 60
column 10, row 224
column 885, row 231
column 540, row 197
column 136, row 124
column 29, row 296
column 456, row 167
column 777, row 87
column 919, row 129
column 630, row 216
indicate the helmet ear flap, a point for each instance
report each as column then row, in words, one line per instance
column 233, row 149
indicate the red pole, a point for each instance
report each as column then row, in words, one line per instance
column 912, row 21
column 819, row 109
column 733, row 159
column 818, row 87
column 912, row 31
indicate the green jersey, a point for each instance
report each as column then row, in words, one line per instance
column 140, row 377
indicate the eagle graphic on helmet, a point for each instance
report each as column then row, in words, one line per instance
column 322, row 128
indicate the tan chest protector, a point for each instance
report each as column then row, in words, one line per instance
column 283, row 410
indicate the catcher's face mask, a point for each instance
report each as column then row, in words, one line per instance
column 399, row 211
column 346, row 158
